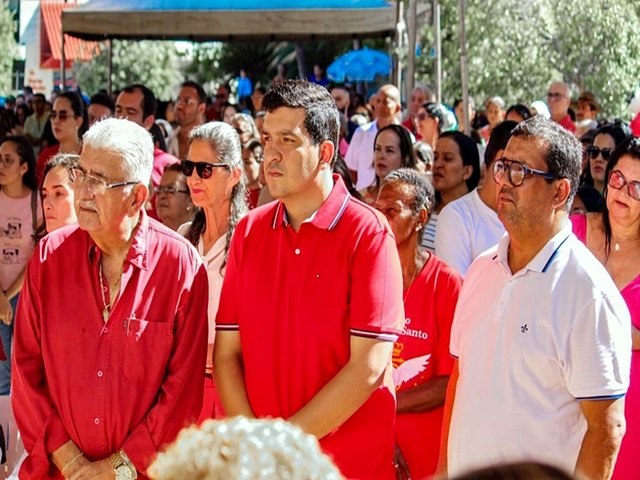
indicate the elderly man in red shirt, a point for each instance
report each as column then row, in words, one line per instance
column 108, row 352
column 314, row 344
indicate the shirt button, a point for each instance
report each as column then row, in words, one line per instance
column 297, row 251
column 96, row 421
column 100, row 373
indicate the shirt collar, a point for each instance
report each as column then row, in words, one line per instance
column 544, row 258
column 137, row 254
column 329, row 213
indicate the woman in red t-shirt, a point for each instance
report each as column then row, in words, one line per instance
column 68, row 122
column 421, row 354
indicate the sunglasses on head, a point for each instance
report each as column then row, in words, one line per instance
column 204, row 169
column 593, row 152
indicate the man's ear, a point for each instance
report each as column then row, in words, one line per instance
column 139, row 196
column 327, row 151
column 563, row 189
column 148, row 122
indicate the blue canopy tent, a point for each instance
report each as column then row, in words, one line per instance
column 226, row 20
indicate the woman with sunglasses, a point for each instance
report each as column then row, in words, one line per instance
column 20, row 217
column 392, row 149
column 217, row 183
column 69, row 122
column 613, row 236
column 429, row 121
column 605, row 141
column 421, row 353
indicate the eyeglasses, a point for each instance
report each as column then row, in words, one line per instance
column 617, row 181
column 517, row 172
column 62, row 115
column 555, row 95
column 186, row 101
column 422, row 116
column 169, row 190
column 95, row 185
column 204, row 169
column 593, row 152
column 7, row 161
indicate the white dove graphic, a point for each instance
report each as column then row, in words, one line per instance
column 410, row 369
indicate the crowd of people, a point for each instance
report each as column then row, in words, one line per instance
column 415, row 300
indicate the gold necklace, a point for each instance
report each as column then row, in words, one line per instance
column 106, row 306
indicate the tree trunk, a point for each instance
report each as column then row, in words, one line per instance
column 302, row 71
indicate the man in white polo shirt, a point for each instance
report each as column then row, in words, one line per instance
column 541, row 333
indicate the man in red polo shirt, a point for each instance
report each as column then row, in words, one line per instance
column 108, row 354
column 559, row 100
column 314, row 344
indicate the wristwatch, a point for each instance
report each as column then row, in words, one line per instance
column 123, row 467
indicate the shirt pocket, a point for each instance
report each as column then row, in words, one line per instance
column 146, row 350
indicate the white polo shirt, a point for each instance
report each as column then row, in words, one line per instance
column 466, row 228
column 530, row 346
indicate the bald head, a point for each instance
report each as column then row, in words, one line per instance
column 388, row 105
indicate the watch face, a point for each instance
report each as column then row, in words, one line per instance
column 123, row 472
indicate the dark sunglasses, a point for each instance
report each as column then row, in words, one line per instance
column 61, row 115
column 204, row 169
column 593, row 152
column 422, row 116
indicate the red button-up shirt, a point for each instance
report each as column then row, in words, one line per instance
column 309, row 292
column 131, row 383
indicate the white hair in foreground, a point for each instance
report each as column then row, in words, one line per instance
column 241, row 449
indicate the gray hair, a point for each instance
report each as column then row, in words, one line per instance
column 225, row 141
column 127, row 140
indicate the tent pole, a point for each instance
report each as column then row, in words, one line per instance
column 463, row 69
column 438, row 48
column 411, row 51
column 63, row 72
column 109, row 65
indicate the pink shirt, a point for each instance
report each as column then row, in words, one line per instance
column 310, row 291
column 131, row 383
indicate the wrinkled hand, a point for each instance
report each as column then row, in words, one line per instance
column 6, row 311
column 100, row 470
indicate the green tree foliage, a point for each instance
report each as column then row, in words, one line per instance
column 8, row 45
column 154, row 64
column 516, row 48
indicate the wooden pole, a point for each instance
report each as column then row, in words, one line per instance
column 109, row 66
column 463, row 69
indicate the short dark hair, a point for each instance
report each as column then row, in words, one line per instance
column 202, row 96
column 521, row 110
column 148, row 98
column 408, row 157
column 470, row 155
column 322, row 120
column 434, row 110
column 629, row 148
column 498, row 139
column 563, row 151
column 105, row 100
column 618, row 130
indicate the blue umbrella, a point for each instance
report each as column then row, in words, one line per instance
column 359, row 65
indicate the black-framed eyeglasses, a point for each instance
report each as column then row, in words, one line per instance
column 594, row 151
column 555, row 95
column 422, row 116
column 617, row 180
column 169, row 190
column 516, row 171
column 94, row 184
column 204, row 169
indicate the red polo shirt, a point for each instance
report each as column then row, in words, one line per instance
column 297, row 298
column 131, row 383
column 568, row 124
column 429, row 307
